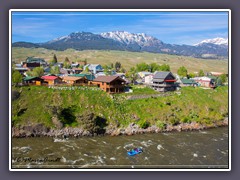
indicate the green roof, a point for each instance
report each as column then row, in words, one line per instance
column 29, row 78
column 90, row 77
column 188, row 81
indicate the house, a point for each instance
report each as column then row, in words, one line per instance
column 21, row 70
column 163, row 81
column 36, row 60
column 142, row 74
column 110, row 84
column 121, row 75
column 64, row 71
column 148, row 79
column 52, row 80
column 74, row 65
column 187, row 82
column 77, row 70
column 206, row 81
column 47, row 70
column 33, row 80
column 89, row 77
column 32, row 65
column 74, row 80
column 59, row 64
column 100, row 74
column 94, row 68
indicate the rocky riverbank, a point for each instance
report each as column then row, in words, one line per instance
column 39, row 130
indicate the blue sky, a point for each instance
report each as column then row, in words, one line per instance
column 170, row 27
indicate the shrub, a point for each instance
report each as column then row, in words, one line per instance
column 161, row 124
column 144, row 124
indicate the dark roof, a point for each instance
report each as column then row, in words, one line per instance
column 33, row 64
column 161, row 74
column 107, row 79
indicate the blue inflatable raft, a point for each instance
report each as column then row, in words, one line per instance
column 135, row 151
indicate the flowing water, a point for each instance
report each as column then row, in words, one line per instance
column 196, row 149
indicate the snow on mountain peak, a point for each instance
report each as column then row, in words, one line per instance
column 217, row 41
column 128, row 38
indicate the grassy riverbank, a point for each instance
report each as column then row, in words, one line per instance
column 93, row 109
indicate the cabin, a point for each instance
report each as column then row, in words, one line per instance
column 110, row 84
column 33, row 80
column 163, row 81
column 71, row 80
column 51, row 80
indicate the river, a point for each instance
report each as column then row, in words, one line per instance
column 195, row 149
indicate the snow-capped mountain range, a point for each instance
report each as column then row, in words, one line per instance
column 217, row 41
column 125, row 41
column 130, row 38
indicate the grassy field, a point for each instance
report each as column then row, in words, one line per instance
column 127, row 59
column 40, row 104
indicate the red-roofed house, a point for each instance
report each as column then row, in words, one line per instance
column 51, row 80
column 110, row 84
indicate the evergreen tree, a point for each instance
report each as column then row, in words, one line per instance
column 54, row 60
column 117, row 66
column 66, row 63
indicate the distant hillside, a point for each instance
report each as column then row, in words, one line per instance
column 126, row 58
column 125, row 41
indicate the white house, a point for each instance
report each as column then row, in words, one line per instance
column 94, row 68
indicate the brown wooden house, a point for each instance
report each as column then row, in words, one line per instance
column 71, row 80
column 110, row 84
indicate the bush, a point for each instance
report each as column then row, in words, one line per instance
column 144, row 124
column 161, row 124
column 186, row 120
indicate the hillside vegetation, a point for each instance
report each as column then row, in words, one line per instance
column 33, row 105
column 127, row 59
